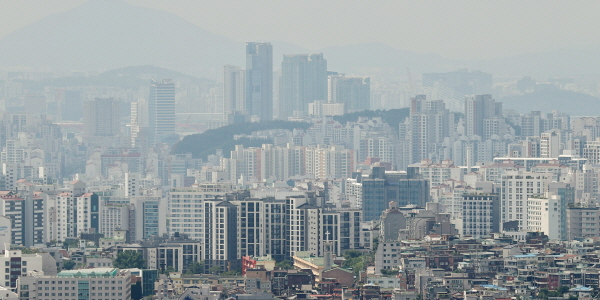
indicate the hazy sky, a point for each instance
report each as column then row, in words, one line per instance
column 455, row 29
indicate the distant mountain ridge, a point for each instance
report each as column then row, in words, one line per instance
column 572, row 103
column 109, row 34
column 101, row 35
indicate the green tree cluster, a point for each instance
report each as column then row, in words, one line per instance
column 70, row 243
column 196, row 267
column 389, row 272
column 30, row 250
column 69, row 264
column 129, row 259
column 392, row 117
column 231, row 273
column 216, row 270
column 206, row 143
column 545, row 293
column 354, row 260
column 285, row 265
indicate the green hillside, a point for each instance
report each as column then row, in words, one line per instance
column 393, row 116
column 206, row 143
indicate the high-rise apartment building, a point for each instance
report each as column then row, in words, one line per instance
column 430, row 123
column 138, row 127
column 186, row 207
column 25, row 210
column 71, row 106
column 303, row 80
column 280, row 163
column 102, row 117
column 71, row 213
column 147, row 217
column 543, row 215
column 161, row 109
column 354, row 92
column 259, row 80
column 234, row 90
column 479, row 110
column 480, row 214
column 516, row 189
column 582, row 221
column 17, row 264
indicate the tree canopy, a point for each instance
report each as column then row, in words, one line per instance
column 206, row 143
column 129, row 259
column 285, row 265
column 196, row 267
column 69, row 264
column 393, row 116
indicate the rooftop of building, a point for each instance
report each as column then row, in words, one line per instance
column 91, row 273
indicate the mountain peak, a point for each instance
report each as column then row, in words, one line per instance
column 108, row 34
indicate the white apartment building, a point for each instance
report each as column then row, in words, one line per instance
column 387, row 256
column 133, row 184
column 220, row 240
column 515, row 190
column 329, row 162
column 439, row 173
column 281, row 163
column 186, row 207
column 451, row 198
column 25, row 210
column 11, row 207
column 353, row 192
column 543, row 213
column 304, row 233
column 92, row 284
column 250, row 227
column 74, row 214
column 13, row 264
column 113, row 216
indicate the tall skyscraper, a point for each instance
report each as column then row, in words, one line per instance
column 430, row 123
column 354, row 92
column 138, row 126
column 102, row 117
column 259, row 80
column 303, row 80
column 71, row 107
column 480, row 110
column 161, row 109
column 234, row 90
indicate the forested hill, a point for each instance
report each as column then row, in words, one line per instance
column 203, row 144
column 393, row 116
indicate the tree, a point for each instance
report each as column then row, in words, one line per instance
column 285, row 265
column 563, row 289
column 375, row 244
column 214, row 270
column 129, row 259
column 355, row 260
column 231, row 273
column 389, row 272
column 69, row 264
column 70, row 243
column 196, row 267
column 30, row 250
column 352, row 254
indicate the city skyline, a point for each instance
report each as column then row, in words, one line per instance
column 180, row 150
